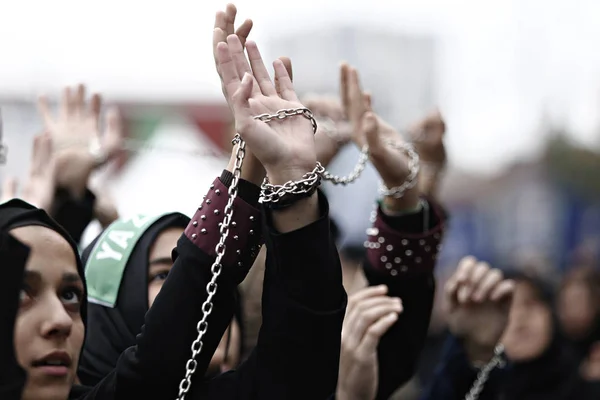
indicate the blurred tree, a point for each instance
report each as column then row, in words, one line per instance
column 573, row 167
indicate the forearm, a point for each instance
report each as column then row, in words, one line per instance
column 303, row 316
column 164, row 346
column 401, row 253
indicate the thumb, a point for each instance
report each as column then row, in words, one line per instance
column 371, row 129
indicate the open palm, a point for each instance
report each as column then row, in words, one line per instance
column 285, row 146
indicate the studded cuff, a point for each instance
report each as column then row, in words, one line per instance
column 245, row 231
column 393, row 252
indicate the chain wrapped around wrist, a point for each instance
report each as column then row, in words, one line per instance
column 413, row 166
column 484, row 373
column 282, row 196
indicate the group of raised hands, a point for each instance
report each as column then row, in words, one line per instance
column 74, row 142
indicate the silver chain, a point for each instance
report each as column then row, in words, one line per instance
column 413, row 167
column 289, row 112
column 211, row 287
column 363, row 158
column 484, row 373
column 270, row 193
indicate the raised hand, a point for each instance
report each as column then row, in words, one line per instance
column 75, row 132
column 225, row 26
column 369, row 315
column 368, row 128
column 10, row 186
column 333, row 131
column 478, row 299
column 285, row 147
column 427, row 136
column 39, row 186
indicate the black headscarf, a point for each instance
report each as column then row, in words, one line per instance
column 112, row 330
column 554, row 374
column 17, row 213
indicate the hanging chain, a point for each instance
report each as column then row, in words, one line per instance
column 211, row 287
column 363, row 158
column 484, row 373
column 413, row 167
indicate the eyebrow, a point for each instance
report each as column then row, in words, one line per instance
column 160, row 260
column 32, row 276
column 69, row 277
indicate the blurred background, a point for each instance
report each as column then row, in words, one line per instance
column 518, row 83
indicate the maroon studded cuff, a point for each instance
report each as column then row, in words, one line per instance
column 245, row 230
column 392, row 252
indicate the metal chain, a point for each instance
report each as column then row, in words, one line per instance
column 363, row 158
column 413, row 166
column 484, row 373
column 211, row 287
column 270, row 193
column 290, row 112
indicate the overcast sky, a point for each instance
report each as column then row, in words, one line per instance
column 501, row 63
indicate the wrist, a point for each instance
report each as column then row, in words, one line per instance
column 410, row 201
column 478, row 353
column 279, row 176
column 252, row 170
column 343, row 394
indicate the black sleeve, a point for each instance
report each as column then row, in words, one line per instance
column 297, row 354
column 14, row 257
column 156, row 365
column 402, row 255
column 73, row 214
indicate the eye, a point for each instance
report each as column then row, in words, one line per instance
column 26, row 295
column 159, row 276
column 71, row 296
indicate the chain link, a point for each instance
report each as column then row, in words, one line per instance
column 484, row 373
column 270, row 193
column 211, row 287
column 363, row 158
column 413, row 167
column 290, row 112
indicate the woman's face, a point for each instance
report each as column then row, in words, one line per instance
column 160, row 261
column 529, row 329
column 49, row 330
column 576, row 310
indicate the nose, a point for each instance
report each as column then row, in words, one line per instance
column 57, row 321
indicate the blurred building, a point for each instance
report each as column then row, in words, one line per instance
column 397, row 69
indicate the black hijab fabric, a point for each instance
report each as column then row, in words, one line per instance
column 17, row 213
column 113, row 330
